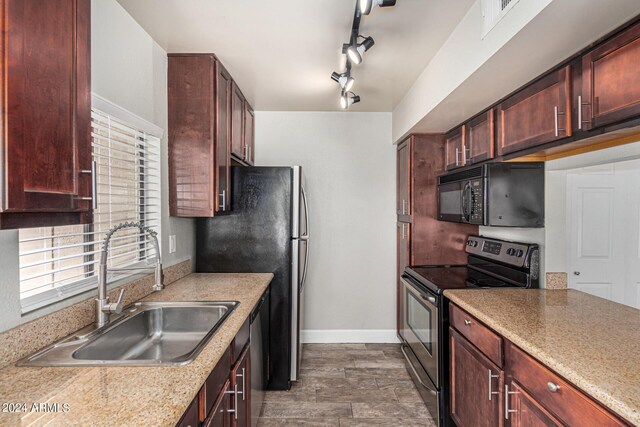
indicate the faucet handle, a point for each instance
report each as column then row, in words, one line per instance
column 117, row 306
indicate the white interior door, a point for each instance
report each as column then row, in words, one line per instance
column 603, row 230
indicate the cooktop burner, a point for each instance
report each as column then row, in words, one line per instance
column 438, row 278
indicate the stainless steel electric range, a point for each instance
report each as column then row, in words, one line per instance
column 424, row 327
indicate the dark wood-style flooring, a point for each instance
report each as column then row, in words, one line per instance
column 348, row 385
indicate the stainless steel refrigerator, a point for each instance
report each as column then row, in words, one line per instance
column 267, row 230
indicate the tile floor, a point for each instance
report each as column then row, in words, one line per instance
column 354, row 385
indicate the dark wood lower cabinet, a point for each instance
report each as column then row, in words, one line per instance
column 221, row 413
column 525, row 411
column 241, row 385
column 476, row 386
column 225, row 398
column 536, row 396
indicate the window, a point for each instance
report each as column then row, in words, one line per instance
column 59, row 262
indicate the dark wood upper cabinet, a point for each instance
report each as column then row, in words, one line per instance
column 480, row 138
column 46, row 113
column 249, row 134
column 199, row 135
column 536, row 115
column 223, row 137
column 611, row 80
column 403, row 168
column 237, row 123
column 476, row 386
column 455, row 143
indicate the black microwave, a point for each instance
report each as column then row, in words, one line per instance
column 509, row 194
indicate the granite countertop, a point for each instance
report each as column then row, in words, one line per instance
column 132, row 396
column 592, row 342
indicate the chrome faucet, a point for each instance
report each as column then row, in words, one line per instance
column 104, row 308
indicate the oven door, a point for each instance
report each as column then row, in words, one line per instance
column 420, row 326
column 450, row 202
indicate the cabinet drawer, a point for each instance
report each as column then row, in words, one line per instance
column 214, row 384
column 240, row 341
column 567, row 403
column 479, row 335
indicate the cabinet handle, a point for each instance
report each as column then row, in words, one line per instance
column 580, row 105
column 580, row 112
column 557, row 113
column 94, row 186
column 467, row 155
column 243, row 384
column 235, row 401
column 457, row 157
column 223, row 206
column 507, row 411
column 246, row 152
column 491, row 377
column 467, row 322
column 249, row 153
column 552, row 387
column 404, row 207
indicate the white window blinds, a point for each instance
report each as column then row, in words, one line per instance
column 58, row 262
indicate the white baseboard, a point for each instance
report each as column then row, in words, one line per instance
column 343, row 336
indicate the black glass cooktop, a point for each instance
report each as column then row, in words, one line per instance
column 441, row 277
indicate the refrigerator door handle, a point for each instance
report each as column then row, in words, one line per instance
column 306, row 265
column 306, row 214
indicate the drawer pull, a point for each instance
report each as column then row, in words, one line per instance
column 552, row 387
column 467, row 322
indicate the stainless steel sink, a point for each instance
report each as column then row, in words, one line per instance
column 147, row 333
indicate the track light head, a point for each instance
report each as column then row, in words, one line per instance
column 347, row 99
column 365, row 6
column 355, row 52
column 344, row 80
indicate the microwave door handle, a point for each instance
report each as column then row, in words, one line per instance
column 466, row 202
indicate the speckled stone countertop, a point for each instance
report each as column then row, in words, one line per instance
column 592, row 342
column 133, row 396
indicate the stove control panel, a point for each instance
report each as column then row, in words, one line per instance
column 512, row 253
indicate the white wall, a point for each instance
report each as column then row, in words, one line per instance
column 130, row 70
column 349, row 164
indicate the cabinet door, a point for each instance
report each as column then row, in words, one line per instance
column 536, row 115
column 223, row 137
column 476, row 386
column 220, row 414
column 237, row 123
column 480, row 138
column 455, row 148
column 403, row 259
column 46, row 98
column 611, row 80
column 249, row 133
column 192, row 171
column 403, row 171
column 241, row 385
column 525, row 411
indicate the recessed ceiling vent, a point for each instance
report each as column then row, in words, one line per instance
column 493, row 11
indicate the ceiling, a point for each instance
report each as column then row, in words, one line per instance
column 282, row 52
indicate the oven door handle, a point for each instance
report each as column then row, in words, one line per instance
column 431, row 389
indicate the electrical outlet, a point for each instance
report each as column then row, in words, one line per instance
column 172, row 243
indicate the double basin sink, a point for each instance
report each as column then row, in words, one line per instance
column 145, row 334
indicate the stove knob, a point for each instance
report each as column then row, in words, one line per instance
column 510, row 251
column 519, row 253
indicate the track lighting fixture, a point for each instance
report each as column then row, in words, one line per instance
column 348, row 99
column 366, row 5
column 355, row 51
column 344, row 80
